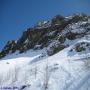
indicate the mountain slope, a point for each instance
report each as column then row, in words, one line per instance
column 51, row 34
column 63, row 72
column 54, row 55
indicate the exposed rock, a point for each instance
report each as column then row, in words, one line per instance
column 58, row 29
column 83, row 46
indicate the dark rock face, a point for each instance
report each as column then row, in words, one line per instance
column 38, row 38
column 9, row 48
column 71, row 36
column 58, row 20
column 82, row 46
column 62, row 39
column 54, row 49
column 78, row 17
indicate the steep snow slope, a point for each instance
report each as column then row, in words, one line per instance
column 34, row 70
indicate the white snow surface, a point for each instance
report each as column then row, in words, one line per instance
column 28, row 71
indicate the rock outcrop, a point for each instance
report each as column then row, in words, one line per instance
column 59, row 29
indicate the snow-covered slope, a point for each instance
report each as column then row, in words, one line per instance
column 58, row 72
column 53, row 57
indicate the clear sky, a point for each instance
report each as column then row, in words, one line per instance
column 17, row 15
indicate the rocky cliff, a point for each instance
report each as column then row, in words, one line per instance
column 53, row 35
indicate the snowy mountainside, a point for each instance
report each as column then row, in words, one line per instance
column 54, row 35
column 60, row 71
column 53, row 58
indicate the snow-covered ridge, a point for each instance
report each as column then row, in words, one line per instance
column 57, row 29
column 53, row 58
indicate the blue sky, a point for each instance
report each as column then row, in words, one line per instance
column 17, row 15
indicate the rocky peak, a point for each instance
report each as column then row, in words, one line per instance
column 43, row 24
column 50, row 34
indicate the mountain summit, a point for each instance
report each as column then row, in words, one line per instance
column 50, row 34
